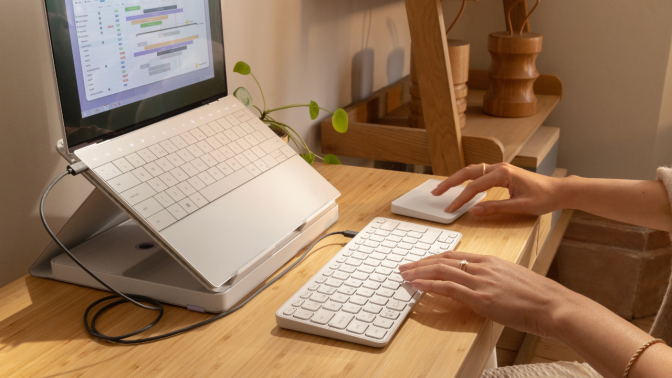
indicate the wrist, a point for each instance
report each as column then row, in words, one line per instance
column 566, row 192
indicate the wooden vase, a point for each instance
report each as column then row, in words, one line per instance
column 459, row 66
column 512, row 74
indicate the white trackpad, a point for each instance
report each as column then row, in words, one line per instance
column 420, row 203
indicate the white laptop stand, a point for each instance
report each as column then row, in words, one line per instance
column 114, row 247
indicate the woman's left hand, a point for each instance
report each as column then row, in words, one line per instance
column 506, row 293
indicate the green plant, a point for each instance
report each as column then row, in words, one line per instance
column 339, row 118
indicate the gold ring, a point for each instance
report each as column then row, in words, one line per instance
column 483, row 169
column 463, row 265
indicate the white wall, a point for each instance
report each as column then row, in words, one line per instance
column 612, row 56
column 300, row 50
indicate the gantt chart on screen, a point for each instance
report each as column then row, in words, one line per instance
column 124, row 45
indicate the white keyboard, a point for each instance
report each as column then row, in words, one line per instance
column 359, row 296
column 175, row 177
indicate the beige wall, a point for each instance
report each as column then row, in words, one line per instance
column 612, row 56
column 300, row 50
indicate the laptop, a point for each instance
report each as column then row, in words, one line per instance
column 144, row 104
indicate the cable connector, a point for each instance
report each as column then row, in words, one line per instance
column 77, row 168
column 350, row 234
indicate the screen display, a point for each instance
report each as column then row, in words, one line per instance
column 124, row 64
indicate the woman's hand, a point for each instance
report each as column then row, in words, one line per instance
column 504, row 292
column 530, row 193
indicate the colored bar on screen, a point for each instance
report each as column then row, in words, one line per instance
column 140, row 16
column 149, row 19
column 163, row 48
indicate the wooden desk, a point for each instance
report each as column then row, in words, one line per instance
column 41, row 331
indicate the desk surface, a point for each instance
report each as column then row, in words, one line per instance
column 41, row 331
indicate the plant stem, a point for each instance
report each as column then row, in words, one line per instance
column 262, row 92
column 261, row 114
column 287, row 107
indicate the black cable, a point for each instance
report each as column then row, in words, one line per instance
column 136, row 299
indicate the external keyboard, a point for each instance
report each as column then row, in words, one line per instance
column 173, row 178
column 359, row 295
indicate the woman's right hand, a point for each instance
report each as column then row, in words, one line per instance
column 530, row 193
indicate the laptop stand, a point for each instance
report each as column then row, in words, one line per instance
column 114, row 247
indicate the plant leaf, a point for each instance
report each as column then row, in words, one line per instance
column 340, row 120
column 314, row 110
column 242, row 68
column 309, row 157
column 331, row 159
column 243, row 96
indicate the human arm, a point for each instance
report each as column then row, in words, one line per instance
column 640, row 202
column 514, row 296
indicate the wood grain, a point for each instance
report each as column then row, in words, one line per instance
column 430, row 50
column 41, row 332
column 536, row 149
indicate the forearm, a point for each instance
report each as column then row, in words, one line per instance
column 644, row 203
column 606, row 341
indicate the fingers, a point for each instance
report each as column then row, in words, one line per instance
column 454, row 256
column 449, row 289
column 497, row 178
column 511, row 206
column 441, row 271
column 471, row 172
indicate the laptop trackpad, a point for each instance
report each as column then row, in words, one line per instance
column 231, row 231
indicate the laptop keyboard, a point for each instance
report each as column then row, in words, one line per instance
column 172, row 179
column 359, row 295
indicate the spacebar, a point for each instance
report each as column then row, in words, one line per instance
column 226, row 184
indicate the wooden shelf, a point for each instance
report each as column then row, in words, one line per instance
column 379, row 126
column 536, row 149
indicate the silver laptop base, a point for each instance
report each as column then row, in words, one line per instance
column 115, row 248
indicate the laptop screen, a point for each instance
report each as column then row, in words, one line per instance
column 125, row 64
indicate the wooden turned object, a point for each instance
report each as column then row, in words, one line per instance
column 459, row 66
column 512, row 74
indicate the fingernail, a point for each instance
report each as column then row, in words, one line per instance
column 416, row 285
column 449, row 209
column 477, row 210
column 404, row 275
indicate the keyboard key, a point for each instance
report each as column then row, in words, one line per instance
column 378, row 256
column 353, row 262
column 333, row 282
column 148, row 207
column 218, row 156
column 383, row 323
column 200, row 165
column 372, row 308
column 185, row 155
column 168, row 146
column 157, row 150
column 357, row 327
column 347, row 290
column 313, row 287
column 386, row 292
column 385, row 271
column 371, row 262
column 399, row 251
column 328, row 290
column 395, row 277
column 175, row 193
column 396, row 305
column 124, row 182
column 198, row 199
column 389, row 264
column 161, row 220
column 351, row 308
column 233, row 163
column 303, row 314
column 239, row 131
column 377, row 278
column 175, row 159
column 390, row 314
column 188, row 205
column 153, row 169
column 288, row 311
column 168, row 179
column 341, row 321
column 225, row 169
column 288, row 151
column 260, row 137
column 412, row 227
column 261, row 165
column 366, row 269
column 356, row 299
column 236, row 148
column 340, row 275
column 164, row 199
column 429, row 237
column 360, row 276
column 271, row 144
column 368, row 293
column 395, row 258
column 157, row 184
column 405, row 292
column 204, row 146
column 311, row 306
column 375, row 332
column 221, row 138
column 319, row 298
column 194, row 150
column 164, row 164
column 215, row 173
column 340, row 298
column 179, row 174
column 365, row 249
column 252, row 141
column 196, row 183
column 232, row 119
column 177, row 211
column 409, row 240
column 186, row 188
column 224, row 123
column 136, row 160
column 179, row 142
column 347, row 268
column 226, row 151
column 189, row 169
column 352, row 282
column 107, row 171
column 207, row 130
column 366, row 317
column 230, row 134
column 138, row 194
column 371, row 285
column 198, row 134
column 123, row 165
column 332, row 306
column 146, row 155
